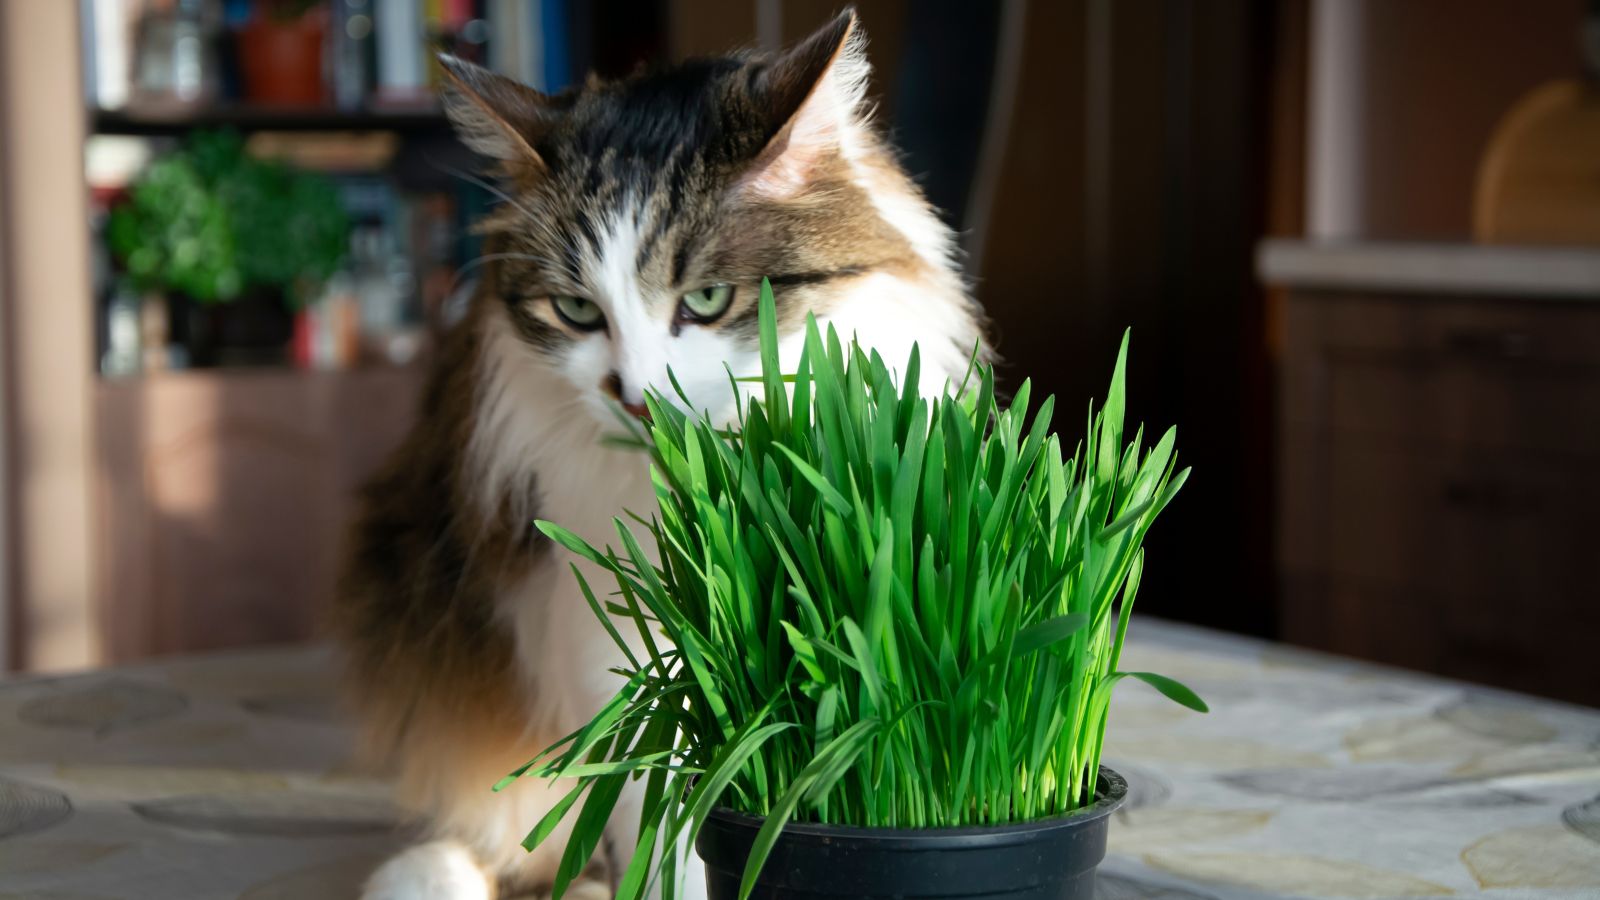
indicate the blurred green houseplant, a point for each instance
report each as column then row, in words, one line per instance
column 210, row 222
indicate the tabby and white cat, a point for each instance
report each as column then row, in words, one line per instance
column 640, row 217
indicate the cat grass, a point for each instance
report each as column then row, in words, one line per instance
column 872, row 608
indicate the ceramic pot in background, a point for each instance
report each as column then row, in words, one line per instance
column 282, row 59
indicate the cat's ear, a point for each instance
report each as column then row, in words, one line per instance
column 811, row 96
column 493, row 114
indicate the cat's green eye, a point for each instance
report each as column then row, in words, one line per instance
column 706, row 304
column 584, row 315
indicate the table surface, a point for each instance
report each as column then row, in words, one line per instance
column 226, row 776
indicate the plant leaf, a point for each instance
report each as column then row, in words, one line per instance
column 1172, row 690
column 1042, row 634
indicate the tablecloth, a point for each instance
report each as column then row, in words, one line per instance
column 227, row 776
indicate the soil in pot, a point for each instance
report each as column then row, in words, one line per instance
column 1050, row 859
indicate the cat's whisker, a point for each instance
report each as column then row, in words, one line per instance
column 471, row 264
column 479, row 182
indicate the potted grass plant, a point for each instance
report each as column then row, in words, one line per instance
column 880, row 633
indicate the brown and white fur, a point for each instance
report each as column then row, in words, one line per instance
column 470, row 647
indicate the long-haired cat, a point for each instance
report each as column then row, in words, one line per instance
column 640, row 218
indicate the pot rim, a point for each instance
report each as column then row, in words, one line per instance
column 1111, row 791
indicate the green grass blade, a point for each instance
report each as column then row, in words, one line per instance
column 846, row 747
column 1172, row 690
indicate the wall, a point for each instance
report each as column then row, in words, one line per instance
column 1405, row 94
column 1130, row 192
column 7, row 606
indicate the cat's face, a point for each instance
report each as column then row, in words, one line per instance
column 633, row 299
column 641, row 215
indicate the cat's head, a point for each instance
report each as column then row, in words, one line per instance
column 641, row 214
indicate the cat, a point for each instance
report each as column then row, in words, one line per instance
column 640, row 216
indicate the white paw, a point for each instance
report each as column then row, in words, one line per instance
column 588, row 890
column 441, row 870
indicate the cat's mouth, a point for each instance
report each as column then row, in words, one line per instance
column 637, row 410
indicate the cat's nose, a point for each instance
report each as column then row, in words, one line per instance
column 612, row 386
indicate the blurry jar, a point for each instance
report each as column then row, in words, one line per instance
column 384, row 285
column 176, row 55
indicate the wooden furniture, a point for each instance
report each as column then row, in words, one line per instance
column 223, row 498
column 1439, row 439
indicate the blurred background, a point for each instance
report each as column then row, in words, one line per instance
column 1349, row 235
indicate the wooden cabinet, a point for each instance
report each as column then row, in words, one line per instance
column 223, row 497
column 1439, row 477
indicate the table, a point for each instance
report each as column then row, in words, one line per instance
column 226, row 777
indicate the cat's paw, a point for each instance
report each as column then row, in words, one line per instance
column 588, row 890
column 440, row 870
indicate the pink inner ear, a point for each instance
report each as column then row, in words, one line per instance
column 781, row 171
column 785, row 167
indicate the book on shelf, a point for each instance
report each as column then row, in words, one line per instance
column 351, row 57
column 556, row 28
column 402, row 68
column 530, row 40
column 379, row 55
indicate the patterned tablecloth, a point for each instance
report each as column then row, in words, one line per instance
column 225, row 777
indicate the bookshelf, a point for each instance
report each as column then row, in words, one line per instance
column 429, row 122
column 179, row 509
column 347, row 88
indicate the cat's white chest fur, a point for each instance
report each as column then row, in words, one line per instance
column 562, row 648
column 540, row 454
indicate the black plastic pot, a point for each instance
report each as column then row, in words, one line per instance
column 252, row 329
column 1050, row 859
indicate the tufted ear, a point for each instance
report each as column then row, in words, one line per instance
column 494, row 115
column 811, row 96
